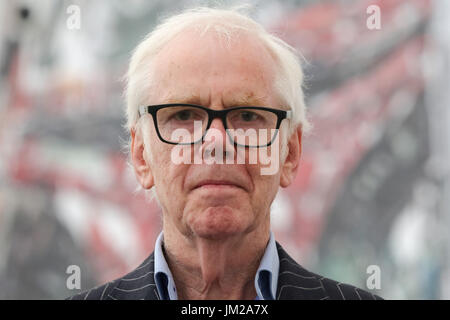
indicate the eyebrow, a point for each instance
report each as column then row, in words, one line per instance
column 244, row 100
column 190, row 99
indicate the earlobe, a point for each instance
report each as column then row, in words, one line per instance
column 141, row 166
column 290, row 166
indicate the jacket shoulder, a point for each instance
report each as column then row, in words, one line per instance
column 342, row 291
column 136, row 285
column 295, row 282
column 101, row 292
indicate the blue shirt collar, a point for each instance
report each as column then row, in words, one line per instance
column 266, row 278
column 163, row 277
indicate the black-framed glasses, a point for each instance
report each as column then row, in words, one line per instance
column 186, row 124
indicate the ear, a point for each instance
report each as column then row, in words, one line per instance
column 141, row 165
column 290, row 166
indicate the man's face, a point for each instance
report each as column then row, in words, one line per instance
column 204, row 200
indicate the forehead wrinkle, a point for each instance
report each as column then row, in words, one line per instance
column 256, row 96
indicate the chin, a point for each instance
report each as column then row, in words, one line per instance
column 218, row 223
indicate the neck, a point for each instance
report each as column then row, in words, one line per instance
column 215, row 269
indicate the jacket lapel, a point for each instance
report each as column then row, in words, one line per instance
column 138, row 284
column 295, row 282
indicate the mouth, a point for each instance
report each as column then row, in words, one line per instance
column 215, row 184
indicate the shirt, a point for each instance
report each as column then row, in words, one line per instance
column 266, row 278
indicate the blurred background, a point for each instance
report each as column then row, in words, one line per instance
column 373, row 188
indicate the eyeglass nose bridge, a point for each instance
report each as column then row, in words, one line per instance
column 222, row 115
column 214, row 114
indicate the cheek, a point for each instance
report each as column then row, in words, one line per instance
column 164, row 170
column 157, row 154
column 169, row 178
column 265, row 186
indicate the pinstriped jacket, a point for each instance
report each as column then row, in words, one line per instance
column 294, row 283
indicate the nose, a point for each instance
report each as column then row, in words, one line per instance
column 216, row 139
column 218, row 125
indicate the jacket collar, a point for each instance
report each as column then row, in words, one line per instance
column 294, row 282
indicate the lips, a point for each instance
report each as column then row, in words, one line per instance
column 216, row 183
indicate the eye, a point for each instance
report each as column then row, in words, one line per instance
column 183, row 115
column 248, row 116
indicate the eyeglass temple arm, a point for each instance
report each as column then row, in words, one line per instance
column 142, row 110
column 289, row 114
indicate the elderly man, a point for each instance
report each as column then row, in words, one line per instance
column 209, row 91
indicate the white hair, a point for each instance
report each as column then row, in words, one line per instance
column 227, row 23
column 224, row 22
